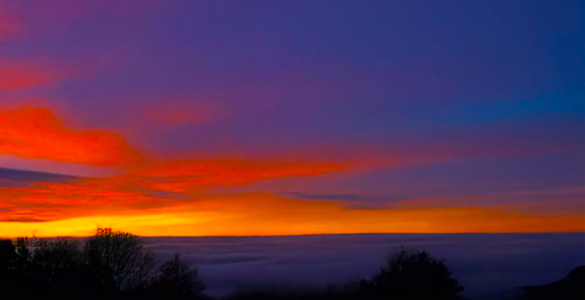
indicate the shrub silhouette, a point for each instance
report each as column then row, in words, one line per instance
column 414, row 275
column 406, row 275
column 175, row 280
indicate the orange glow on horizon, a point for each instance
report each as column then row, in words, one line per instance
column 153, row 197
column 256, row 218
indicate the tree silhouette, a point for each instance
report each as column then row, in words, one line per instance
column 118, row 260
column 406, row 275
column 111, row 265
column 7, row 256
column 176, row 280
column 47, row 267
column 415, row 275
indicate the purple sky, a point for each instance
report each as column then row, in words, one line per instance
column 423, row 105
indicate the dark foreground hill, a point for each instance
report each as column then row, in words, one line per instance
column 572, row 287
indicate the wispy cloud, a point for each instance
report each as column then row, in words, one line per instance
column 13, row 76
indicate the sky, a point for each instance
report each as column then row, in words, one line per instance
column 205, row 118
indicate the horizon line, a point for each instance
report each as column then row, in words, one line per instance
column 307, row 235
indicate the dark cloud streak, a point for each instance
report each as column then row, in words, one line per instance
column 12, row 177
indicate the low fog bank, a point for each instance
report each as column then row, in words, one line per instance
column 483, row 263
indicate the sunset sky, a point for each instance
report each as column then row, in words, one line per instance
column 189, row 118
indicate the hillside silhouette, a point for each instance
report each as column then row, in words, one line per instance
column 571, row 287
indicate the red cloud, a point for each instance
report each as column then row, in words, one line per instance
column 37, row 133
column 181, row 176
column 155, row 187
